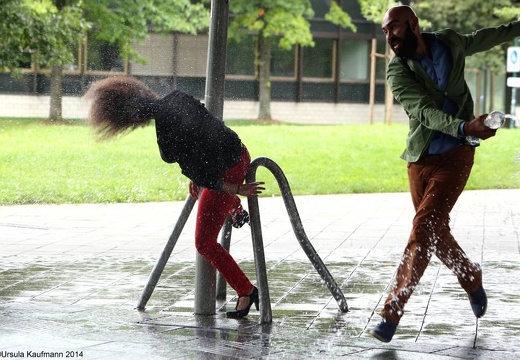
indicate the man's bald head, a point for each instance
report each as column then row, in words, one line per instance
column 398, row 13
column 401, row 27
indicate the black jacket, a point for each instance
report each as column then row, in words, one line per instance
column 199, row 142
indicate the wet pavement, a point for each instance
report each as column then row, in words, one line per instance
column 71, row 276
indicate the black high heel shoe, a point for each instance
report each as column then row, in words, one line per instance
column 253, row 299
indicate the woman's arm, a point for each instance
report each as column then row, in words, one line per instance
column 248, row 189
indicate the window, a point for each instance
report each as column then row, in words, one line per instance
column 191, row 54
column 241, row 57
column 74, row 64
column 158, row 52
column 317, row 60
column 103, row 56
column 354, row 59
column 282, row 61
column 26, row 62
column 317, row 22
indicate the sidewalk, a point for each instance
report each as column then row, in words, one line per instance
column 71, row 276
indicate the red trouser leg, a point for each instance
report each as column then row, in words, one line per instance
column 436, row 183
column 214, row 206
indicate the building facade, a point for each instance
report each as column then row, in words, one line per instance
column 337, row 71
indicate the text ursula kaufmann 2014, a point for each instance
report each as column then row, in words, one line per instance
column 31, row 354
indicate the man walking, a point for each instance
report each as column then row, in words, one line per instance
column 427, row 78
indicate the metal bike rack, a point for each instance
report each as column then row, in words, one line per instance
column 258, row 244
column 258, row 247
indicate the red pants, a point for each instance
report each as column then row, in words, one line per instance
column 436, row 182
column 214, row 206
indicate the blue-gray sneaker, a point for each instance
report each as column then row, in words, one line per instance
column 478, row 301
column 384, row 331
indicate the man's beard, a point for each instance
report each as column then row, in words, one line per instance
column 409, row 44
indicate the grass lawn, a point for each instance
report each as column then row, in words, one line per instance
column 41, row 163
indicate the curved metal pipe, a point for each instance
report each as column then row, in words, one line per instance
column 256, row 233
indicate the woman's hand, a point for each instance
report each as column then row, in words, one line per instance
column 194, row 190
column 251, row 189
column 248, row 189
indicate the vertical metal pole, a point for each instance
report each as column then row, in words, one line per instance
column 389, row 97
column 216, row 66
column 214, row 100
column 372, row 93
column 225, row 241
column 485, row 91
column 512, row 110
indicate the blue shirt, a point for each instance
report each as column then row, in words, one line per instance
column 439, row 68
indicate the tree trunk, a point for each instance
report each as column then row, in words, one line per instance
column 56, row 93
column 264, row 77
column 56, row 79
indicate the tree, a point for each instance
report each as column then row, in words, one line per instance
column 509, row 12
column 34, row 30
column 284, row 21
column 374, row 10
column 49, row 30
column 446, row 14
column 40, row 32
column 477, row 14
column 56, row 64
column 124, row 22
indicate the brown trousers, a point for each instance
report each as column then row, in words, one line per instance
column 436, row 182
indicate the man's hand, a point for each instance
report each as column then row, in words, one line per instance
column 477, row 128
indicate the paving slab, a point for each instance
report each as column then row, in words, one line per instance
column 71, row 276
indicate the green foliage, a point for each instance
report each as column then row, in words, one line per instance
column 338, row 17
column 42, row 163
column 374, row 10
column 462, row 16
column 280, row 18
column 37, row 28
column 123, row 21
column 466, row 17
column 508, row 12
column 442, row 14
column 285, row 20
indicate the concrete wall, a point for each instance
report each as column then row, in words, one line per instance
column 301, row 113
column 313, row 113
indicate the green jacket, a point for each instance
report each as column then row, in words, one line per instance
column 422, row 99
